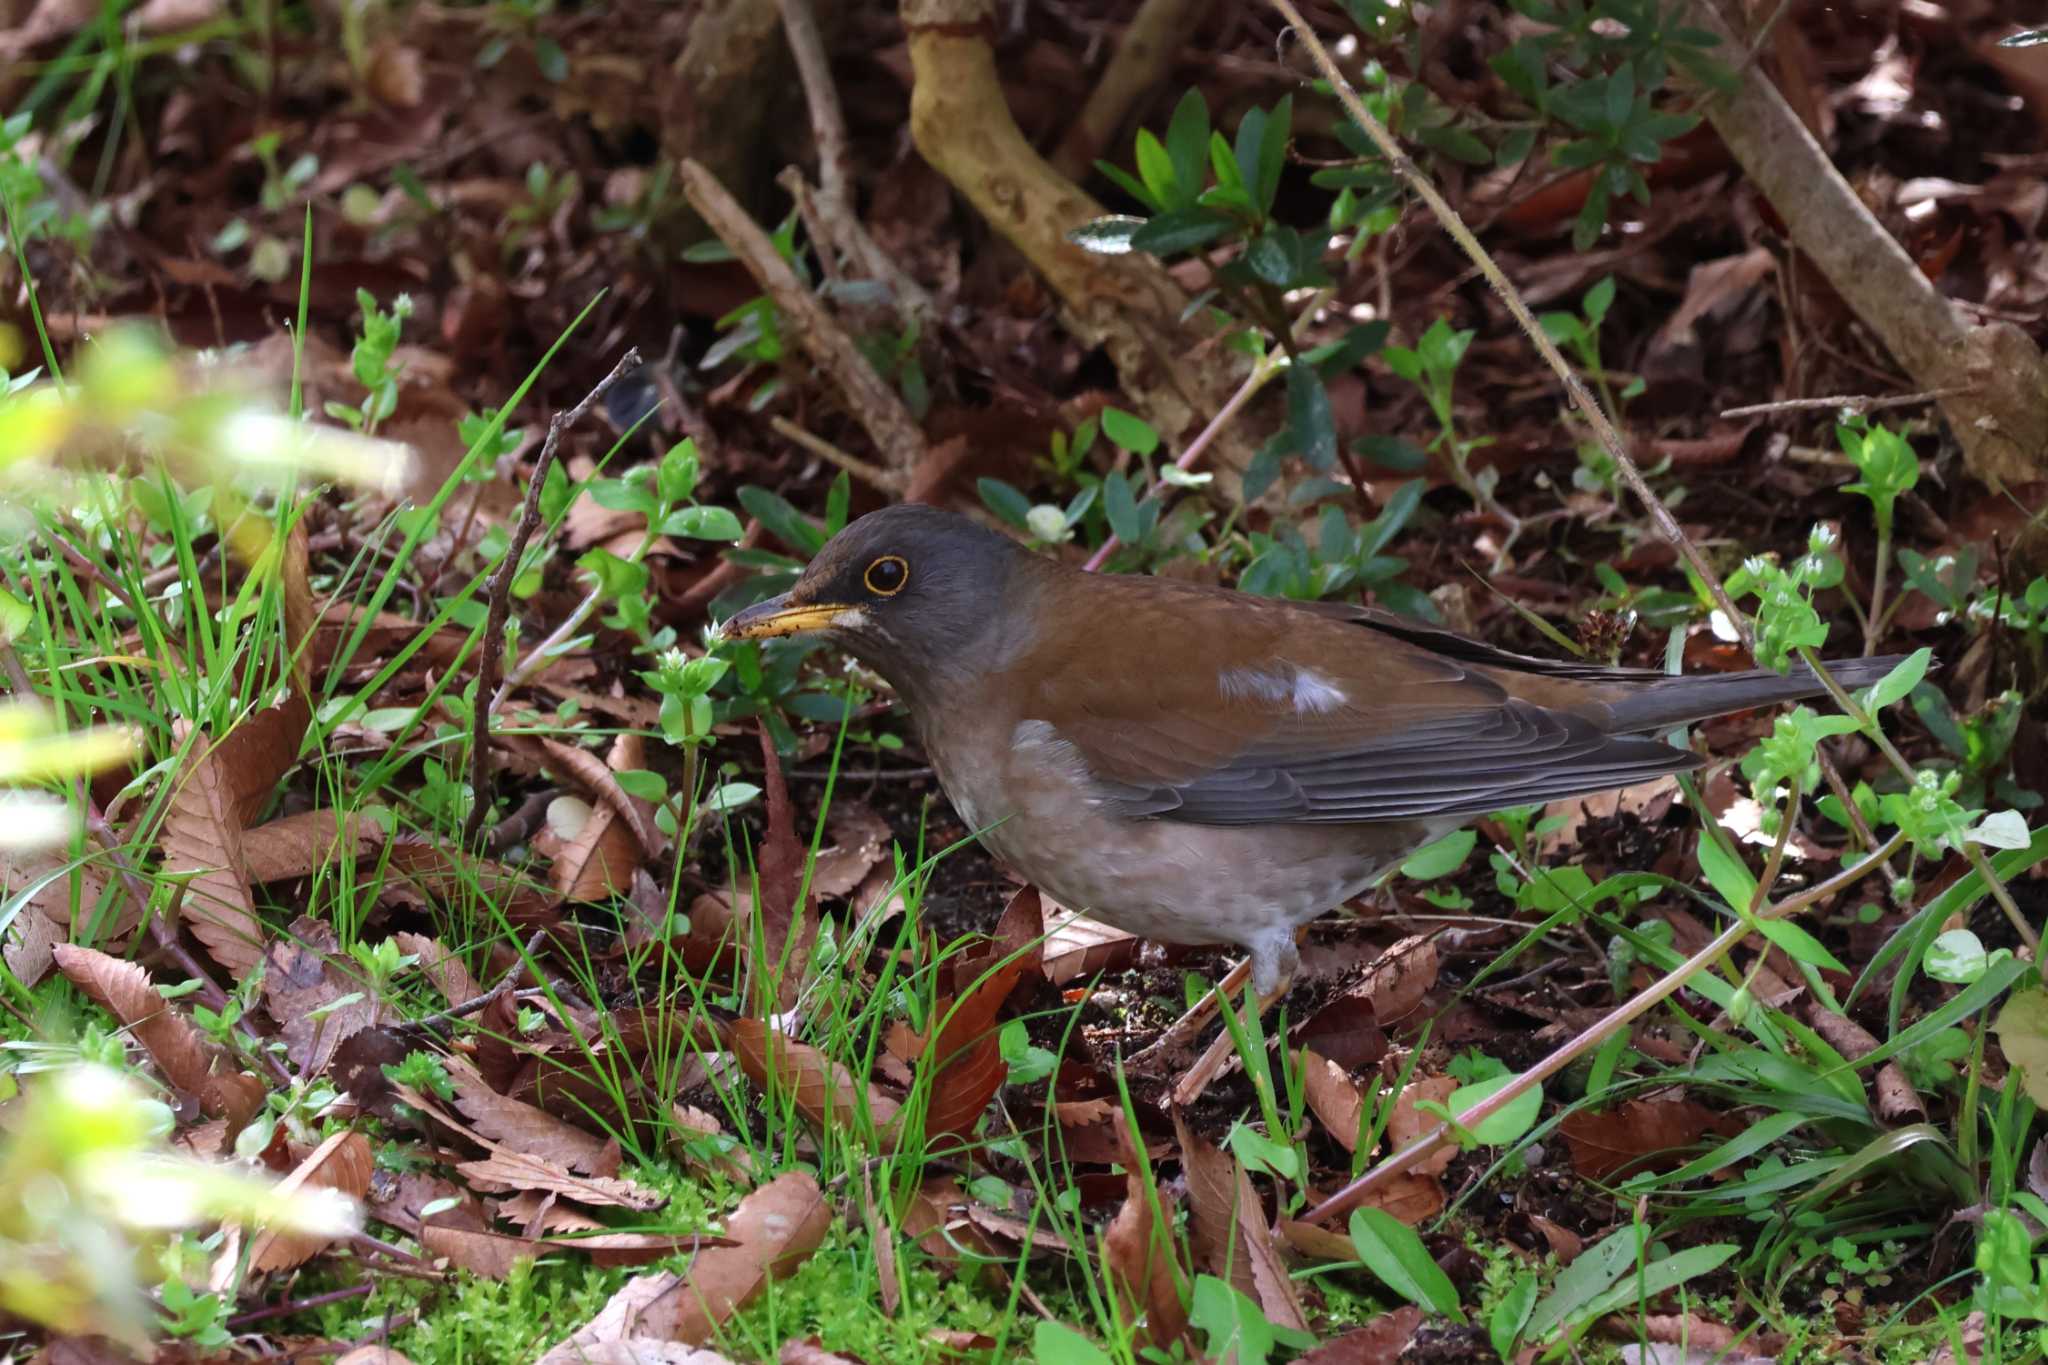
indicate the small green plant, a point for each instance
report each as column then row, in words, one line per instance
column 372, row 364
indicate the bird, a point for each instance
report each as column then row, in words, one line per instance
column 1199, row 765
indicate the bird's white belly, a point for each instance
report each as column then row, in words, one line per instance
column 1034, row 807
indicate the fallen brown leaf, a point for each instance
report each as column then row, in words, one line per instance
column 49, row 880
column 253, row 756
column 599, row 779
column 824, row 1091
column 598, row 858
column 1335, row 1097
column 184, row 1056
column 776, row 1228
column 1400, row 978
column 1407, row 1122
column 299, row 845
column 1228, row 1229
column 1379, row 1342
column 1077, row 946
column 442, row 967
column 1653, row 1134
column 341, row 1162
column 202, row 840
column 371, row 1355
column 527, row 1128
column 316, row 995
column 860, row 843
column 1138, row 1257
column 518, row 1170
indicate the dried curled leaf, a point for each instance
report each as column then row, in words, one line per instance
column 184, row 1056
column 202, row 841
column 342, row 1162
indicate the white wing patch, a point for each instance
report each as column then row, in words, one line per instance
column 1306, row 690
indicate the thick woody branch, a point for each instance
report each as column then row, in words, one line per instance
column 1128, row 305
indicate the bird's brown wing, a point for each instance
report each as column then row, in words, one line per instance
column 1277, row 716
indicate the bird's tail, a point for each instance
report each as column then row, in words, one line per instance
column 1686, row 699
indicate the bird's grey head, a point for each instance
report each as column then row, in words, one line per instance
column 913, row 592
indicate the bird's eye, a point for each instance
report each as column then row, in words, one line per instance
column 887, row 575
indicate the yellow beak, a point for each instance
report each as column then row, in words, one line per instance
column 780, row 616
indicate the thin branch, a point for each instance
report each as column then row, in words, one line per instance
column 499, row 592
column 1262, row 373
column 875, row 405
column 1853, row 402
column 882, row 480
column 477, row 1004
column 1581, row 397
column 1615, row 1020
column 1610, row 439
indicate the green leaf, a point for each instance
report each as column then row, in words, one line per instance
column 1441, row 858
column 1121, row 508
column 1506, row 1126
column 1187, row 139
column 1798, row 944
column 783, row 521
column 1392, row 1251
column 1054, row 1344
column 1273, row 151
column 1669, row 1273
column 1235, row 1326
column 1155, row 168
column 1005, row 501
column 703, row 523
column 1903, row 678
column 2022, row 1030
column 2003, row 829
column 643, row 784
column 1178, row 230
column 1957, row 957
column 1128, row 183
column 1131, row 432
column 1504, row 1324
column 1597, row 1267
column 1725, row 871
column 15, row 616
column 1268, row 257
column 1309, row 419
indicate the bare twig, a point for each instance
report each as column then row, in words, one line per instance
column 837, row 222
column 1997, row 412
column 876, row 406
column 882, row 480
column 1262, row 373
column 499, row 593
column 1853, row 402
column 1611, row 1024
column 477, row 1004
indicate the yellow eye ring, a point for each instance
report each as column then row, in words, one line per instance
column 887, row 576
